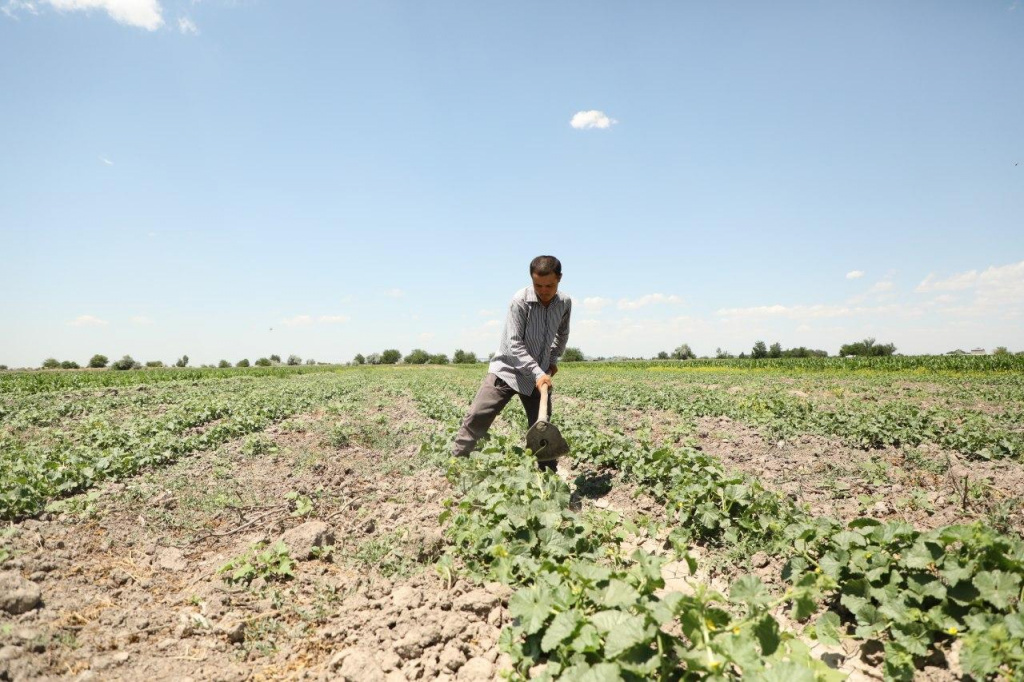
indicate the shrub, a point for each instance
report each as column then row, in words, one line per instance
column 867, row 347
column 275, row 358
column 373, row 359
column 182, row 361
column 127, row 362
column 294, row 360
column 439, row 359
column 723, row 354
column 417, row 357
column 572, row 355
column 662, row 355
column 359, row 359
column 1001, row 350
column 390, row 356
column 223, row 364
column 461, row 357
column 98, row 361
column 683, row 352
column 51, row 363
column 263, row 362
column 3, row 368
column 242, row 363
column 311, row 361
column 154, row 363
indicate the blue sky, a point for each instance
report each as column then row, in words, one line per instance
column 184, row 176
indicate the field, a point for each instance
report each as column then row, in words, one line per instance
column 775, row 520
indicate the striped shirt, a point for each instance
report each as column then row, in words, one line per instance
column 534, row 338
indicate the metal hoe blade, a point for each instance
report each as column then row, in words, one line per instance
column 546, row 442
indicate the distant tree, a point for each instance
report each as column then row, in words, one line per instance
column 127, row 362
column 1001, row 350
column 3, row 368
column 867, row 348
column 418, row 356
column 69, row 364
column 223, row 364
column 742, row 356
column 244, row 362
column 760, row 350
column 263, row 362
column 294, row 360
column 803, row 352
column 683, row 352
column 572, row 355
column 461, row 357
column 390, row 356
column 662, row 355
column 359, row 359
column 98, row 361
column 275, row 358
column 438, row 359
column 154, row 363
column 775, row 351
column 182, row 361
column 310, row 361
column 51, row 363
column 723, row 354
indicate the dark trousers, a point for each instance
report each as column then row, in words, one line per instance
column 490, row 400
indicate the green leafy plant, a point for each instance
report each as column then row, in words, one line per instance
column 270, row 562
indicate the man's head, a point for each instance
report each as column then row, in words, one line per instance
column 546, row 273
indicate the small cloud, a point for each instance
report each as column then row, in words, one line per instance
column 649, row 299
column 854, row 274
column 297, row 321
column 957, row 282
column 187, row 26
column 394, row 293
column 585, row 120
column 106, row 161
column 426, row 336
column 14, row 6
column 147, row 14
column 596, row 303
column 87, row 321
column 334, row 318
column 142, row 320
column 881, row 287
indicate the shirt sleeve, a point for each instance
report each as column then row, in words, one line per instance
column 562, row 335
column 516, row 325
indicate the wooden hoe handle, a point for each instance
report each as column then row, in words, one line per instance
column 543, row 415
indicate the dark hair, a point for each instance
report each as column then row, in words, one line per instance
column 545, row 265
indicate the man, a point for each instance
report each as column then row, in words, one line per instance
column 534, row 338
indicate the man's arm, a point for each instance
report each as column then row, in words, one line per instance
column 561, row 337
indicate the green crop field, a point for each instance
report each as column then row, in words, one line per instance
column 775, row 519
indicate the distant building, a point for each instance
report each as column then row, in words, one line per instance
column 978, row 351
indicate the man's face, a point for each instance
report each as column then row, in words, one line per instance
column 546, row 286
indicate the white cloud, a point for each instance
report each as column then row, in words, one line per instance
column 487, row 313
column 805, row 312
column 426, row 337
column 585, row 120
column 854, row 274
column 998, row 291
column 958, row 282
column 334, row 318
column 106, row 161
column 649, row 299
column 187, row 26
column 881, row 287
column 394, row 293
column 297, row 321
column 142, row 320
column 596, row 303
column 87, row 321
column 14, row 6
column 147, row 14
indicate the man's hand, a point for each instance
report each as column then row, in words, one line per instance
column 544, row 379
column 553, row 369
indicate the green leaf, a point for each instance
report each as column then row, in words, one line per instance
column 827, row 629
column 767, row 632
column 749, row 590
column 618, row 594
column 561, row 628
column 532, row 606
column 621, row 631
column 997, row 587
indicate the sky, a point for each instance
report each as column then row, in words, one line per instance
column 231, row 179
